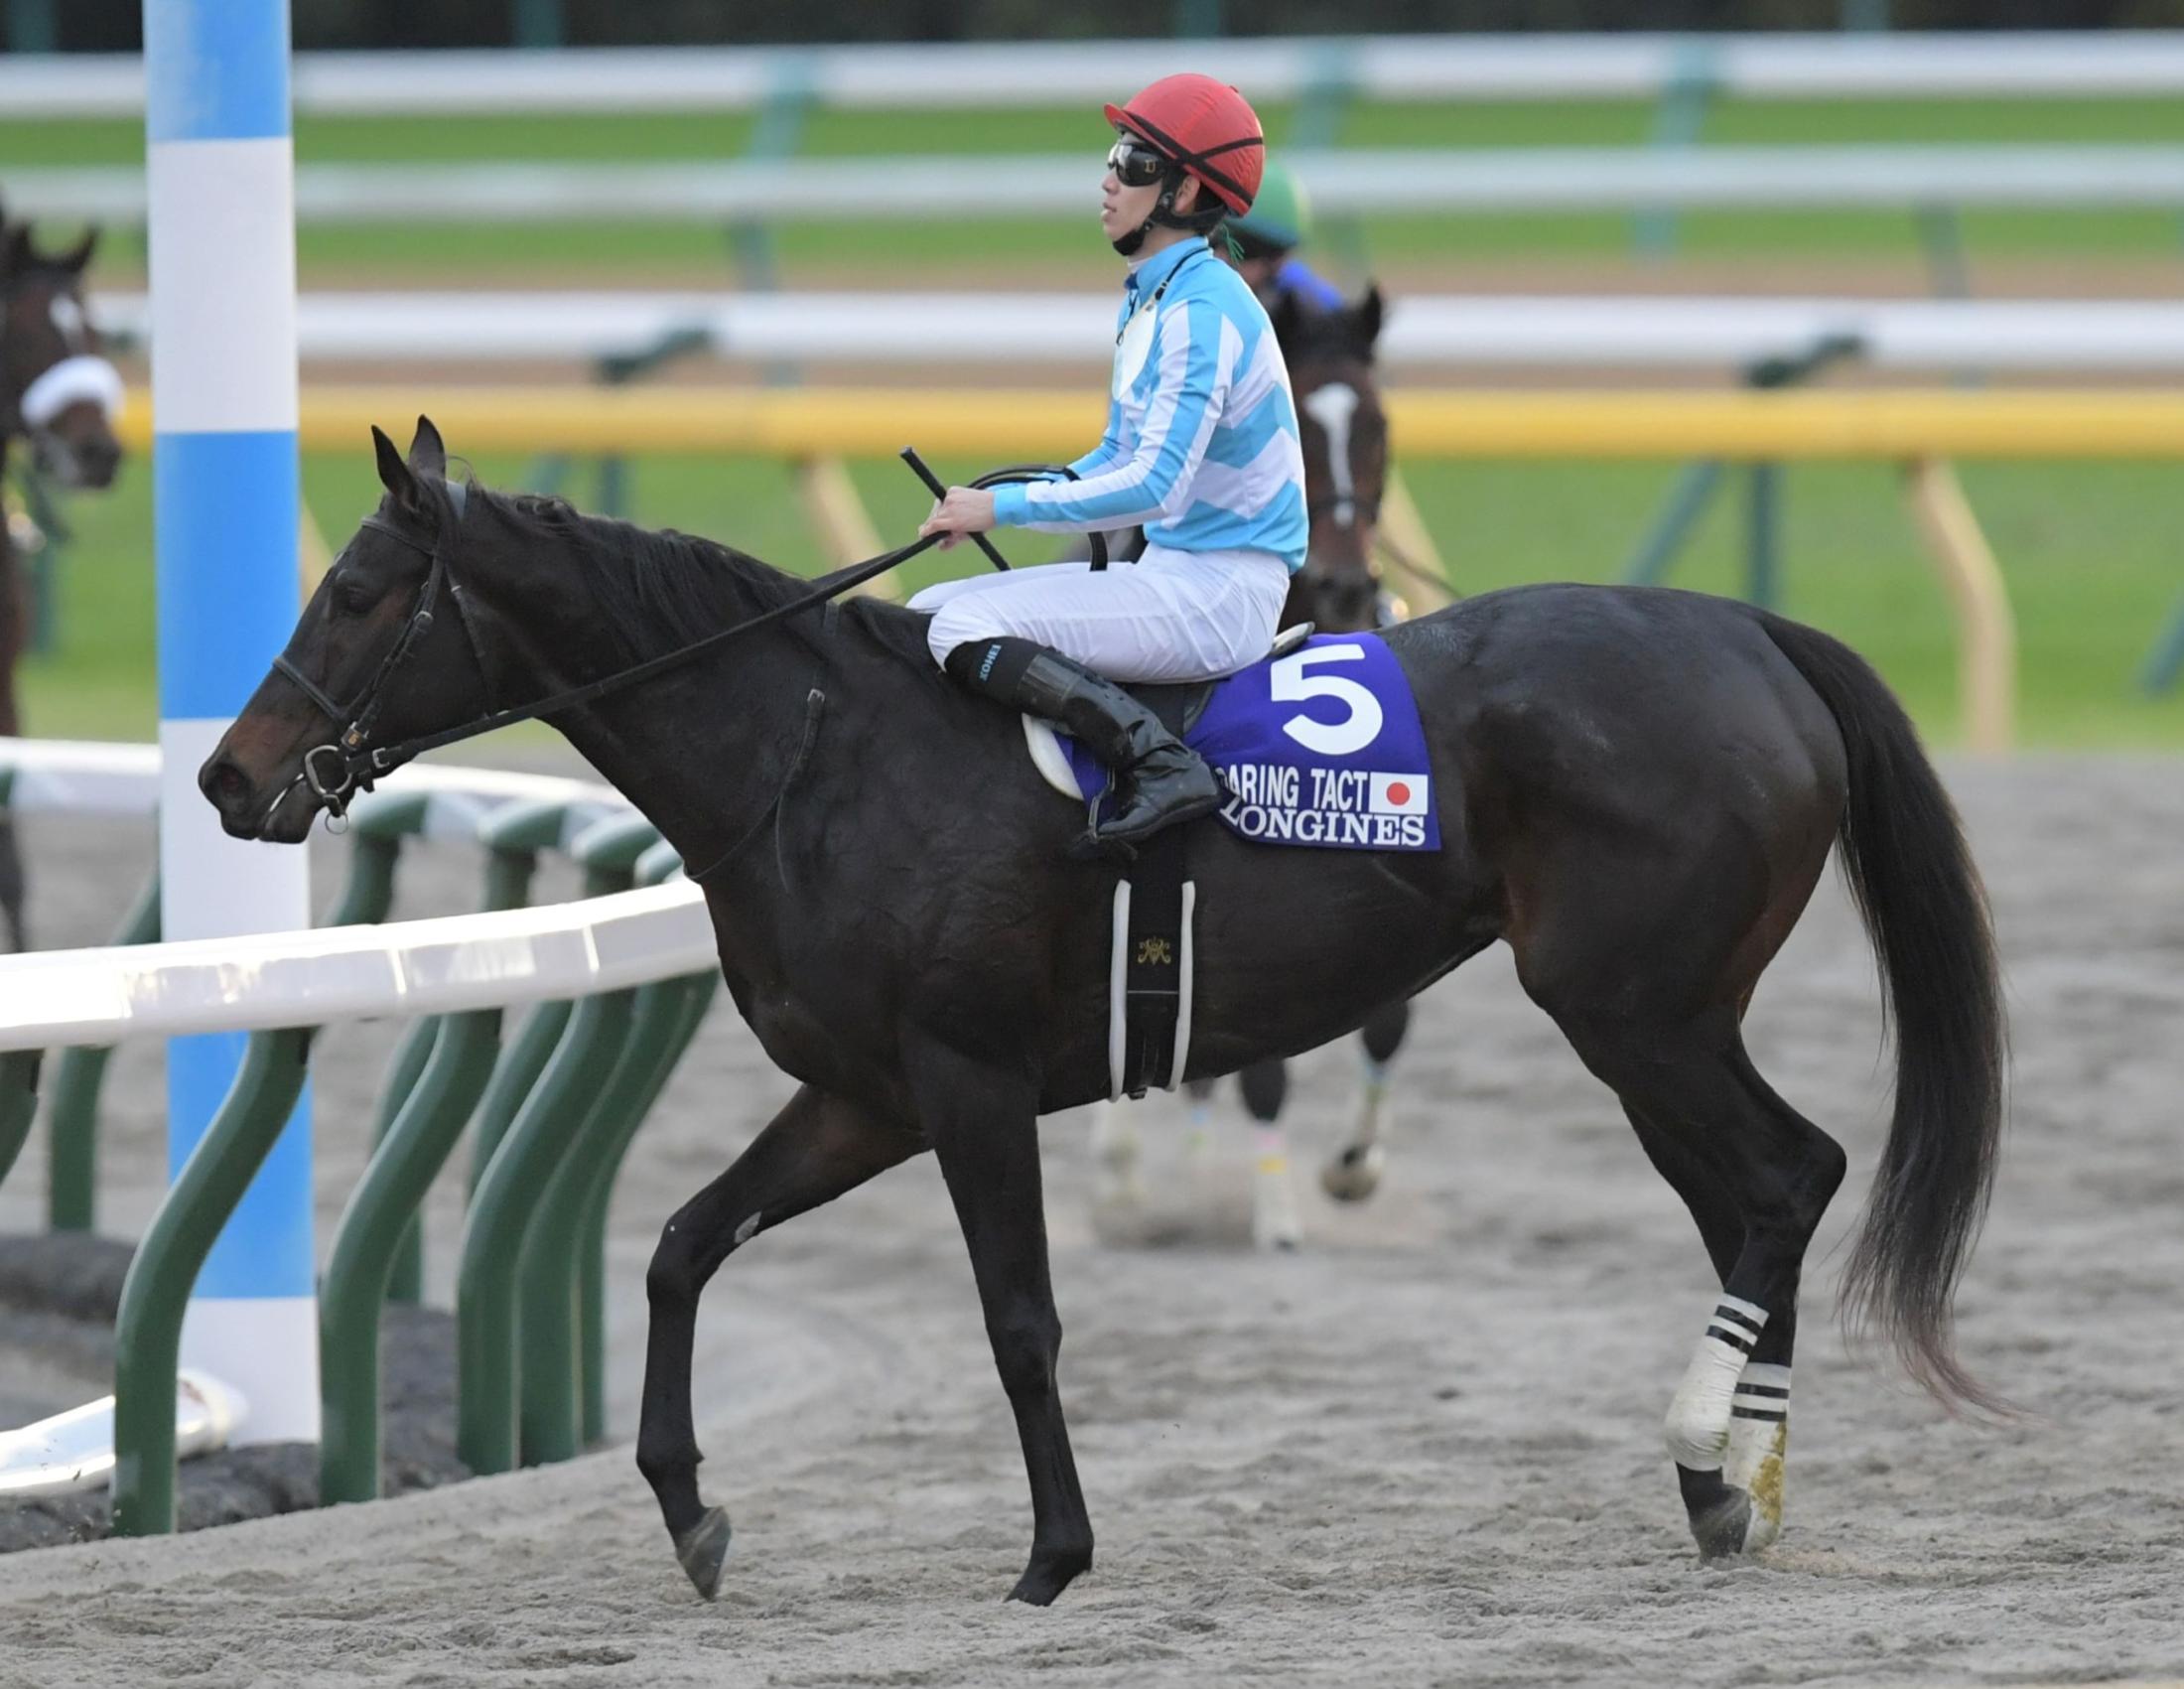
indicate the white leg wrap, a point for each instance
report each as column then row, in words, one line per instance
column 1114, row 1154
column 1376, row 1097
column 1697, row 1425
column 1760, row 1442
column 1274, row 1220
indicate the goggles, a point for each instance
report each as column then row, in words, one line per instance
column 1136, row 165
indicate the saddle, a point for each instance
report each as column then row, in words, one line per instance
column 1178, row 705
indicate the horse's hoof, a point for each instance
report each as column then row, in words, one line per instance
column 703, row 1550
column 1724, row 1521
column 1048, row 1576
column 1354, row 1174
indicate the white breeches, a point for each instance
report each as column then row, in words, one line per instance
column 1171, row 615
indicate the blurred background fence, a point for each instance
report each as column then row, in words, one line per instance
column 1649, row 212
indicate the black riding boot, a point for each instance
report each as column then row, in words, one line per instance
column 1162, row 781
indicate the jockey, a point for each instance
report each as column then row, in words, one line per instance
column 1267, row 238
column 1201, row 446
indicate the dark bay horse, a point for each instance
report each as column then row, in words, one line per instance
column 52, row 382
column 1638, row 790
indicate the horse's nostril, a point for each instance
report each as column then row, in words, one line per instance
column 224, row 783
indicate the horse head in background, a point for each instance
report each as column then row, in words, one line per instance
column 1344, row 432
column 58, row 392
column 57, row 388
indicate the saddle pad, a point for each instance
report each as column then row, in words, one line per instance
column 1319, row 747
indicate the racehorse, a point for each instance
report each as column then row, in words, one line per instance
column 1638, row 792
column 1343, row 433
column 54, row 392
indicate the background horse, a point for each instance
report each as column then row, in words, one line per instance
column 1638, row 790
column 1344, row 435
column 57, row 393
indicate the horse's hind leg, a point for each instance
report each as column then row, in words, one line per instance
column 1355, row 1171
column 1733, row 1148
column 814, row 1150
column 1274, row 1223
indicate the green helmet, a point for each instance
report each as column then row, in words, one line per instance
column 1279, row 216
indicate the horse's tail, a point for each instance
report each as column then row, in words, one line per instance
column 1925, row 910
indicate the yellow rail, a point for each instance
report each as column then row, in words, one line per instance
column 1921, row 429
column 1886, row 424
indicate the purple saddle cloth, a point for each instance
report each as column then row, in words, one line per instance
column 1321, row 747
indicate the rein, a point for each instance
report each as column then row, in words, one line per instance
column 338, row 770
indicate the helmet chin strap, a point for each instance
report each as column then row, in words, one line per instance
column 1165, row 215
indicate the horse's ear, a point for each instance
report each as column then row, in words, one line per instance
column 394, row 474
column 1289, row 317
column 15, row 253
column 78, row 255
column 427, row 455
column 1366, row 320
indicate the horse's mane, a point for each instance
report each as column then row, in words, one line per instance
column 659, row 588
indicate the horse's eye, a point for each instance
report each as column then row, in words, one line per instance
column 354, row 598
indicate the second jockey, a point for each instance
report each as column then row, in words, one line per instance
column 1201, row 448
column 1266, row 239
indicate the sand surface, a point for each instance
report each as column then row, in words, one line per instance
column 1426, row 1450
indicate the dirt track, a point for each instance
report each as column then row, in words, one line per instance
column 1425, row 1451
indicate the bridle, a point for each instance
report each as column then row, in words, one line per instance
column 354, row 764
column 349, row 763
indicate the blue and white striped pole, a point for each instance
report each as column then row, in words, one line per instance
column 223, row 226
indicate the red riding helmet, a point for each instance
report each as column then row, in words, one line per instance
column 1204, row 126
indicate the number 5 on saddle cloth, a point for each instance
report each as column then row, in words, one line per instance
column 1320, row 744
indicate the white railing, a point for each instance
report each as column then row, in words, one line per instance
column 1016, row 75
column 1380, row 180
column 1069, row 329
column 57, row 998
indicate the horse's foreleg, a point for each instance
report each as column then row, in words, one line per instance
column 1354, row 1171
column 982, row 1122
column 814, row 1150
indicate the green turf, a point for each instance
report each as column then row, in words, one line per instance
column 2092, row 554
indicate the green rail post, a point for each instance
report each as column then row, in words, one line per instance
column 778, row 133
column 148, row 1327
column 30, row 27
column 527, row 1143
column 562, row 1290
column 381, row 1216
column 1763, row 538
column 1670, row 531
column 412, row 1055
column 1678, row 121
column 539, row 24
column 1315, row 126
column 18, row 1104
column 521, row 830
column 515, row 1077
column 380, row 821
column 1649, row 563
column 550, row 1272
column 486, row 1299
column 72, row 1125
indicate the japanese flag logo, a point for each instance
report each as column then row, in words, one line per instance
column 1399, row 795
